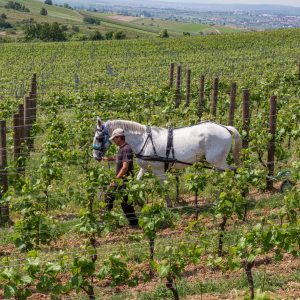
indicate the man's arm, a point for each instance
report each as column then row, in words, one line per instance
column 120, row 175
column 111, row 158
column 123, row 170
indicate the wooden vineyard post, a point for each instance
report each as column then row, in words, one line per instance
column 271, row 144
column 21, row 135
column 17, row 141
column 215, row 97
column 188, row 88
column 171, row 75
column 27, row 119
column 33, row 87
column 246, row 117
column 4, row 209
column 33, row 96
column 21, row 123
column 76, row 83
column 178, row 87
column 201, row 97
column 232, row 104
column 299, row 69
column 31, row 120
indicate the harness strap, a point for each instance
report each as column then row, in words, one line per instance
column 170, row 147
column 149, row 137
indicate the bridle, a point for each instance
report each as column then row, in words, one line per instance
column 102, row 139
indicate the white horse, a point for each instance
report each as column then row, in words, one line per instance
column 187, row 145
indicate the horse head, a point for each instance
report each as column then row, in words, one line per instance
column 101, row 140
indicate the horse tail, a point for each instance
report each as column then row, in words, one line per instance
column 237, row 146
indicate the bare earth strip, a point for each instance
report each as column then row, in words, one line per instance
column 123, row 18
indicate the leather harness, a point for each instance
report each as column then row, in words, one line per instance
column 169, row 161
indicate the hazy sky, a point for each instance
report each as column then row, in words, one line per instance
column 278, row 2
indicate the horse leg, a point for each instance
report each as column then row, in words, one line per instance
column 140, row 174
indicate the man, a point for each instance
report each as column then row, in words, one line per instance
column 124, row 168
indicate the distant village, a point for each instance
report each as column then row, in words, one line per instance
column 254, row 19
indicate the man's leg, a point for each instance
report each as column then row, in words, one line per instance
column 110, row 198
column 129, row 212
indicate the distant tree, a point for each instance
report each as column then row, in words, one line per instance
column 66, row 5
column 119, row 35
column 164, row 34
column 64, row 27
column 186, row 34
column 96, row 36
column 45, row 31
column 109, row 35
column 49, row 2
column 16, row 6
column 43, row 11
column 3, row 16
column 4, row 24
column 91, row 20
column 75, row 28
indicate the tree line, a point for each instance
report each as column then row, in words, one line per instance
column 56, row 32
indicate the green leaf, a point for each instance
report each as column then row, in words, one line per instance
column 76, row 280
column 9, row 291
column 164, row 270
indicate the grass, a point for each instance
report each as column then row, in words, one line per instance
column 65, row 16
column 55, row 13
column 180, row 27
column 265, row 283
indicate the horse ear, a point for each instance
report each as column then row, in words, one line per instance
column 99, row 122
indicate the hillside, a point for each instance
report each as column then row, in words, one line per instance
column 65, row 242
column 132, row 27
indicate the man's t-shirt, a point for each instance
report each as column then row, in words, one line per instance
column 125, row 153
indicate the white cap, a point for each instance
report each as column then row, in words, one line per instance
column 117, row 132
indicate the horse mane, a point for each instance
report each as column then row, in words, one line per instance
column 131, row 126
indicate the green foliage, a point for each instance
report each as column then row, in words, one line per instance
column 116, row 268
column 164, row 34
column 43, row 11
column 109, row 35
column 143, row 191
column 91, row 20
column 18, row 280
column 176, row 258
column 4, row 24
column 16, row 6
column 45, row 32
column 119, row 35
column 48, row 2
column 83, row 272
column 34, row 228
column 196, row 178
column 153, row 217
column 96, row 36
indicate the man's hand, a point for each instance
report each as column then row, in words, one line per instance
column 112, row 185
